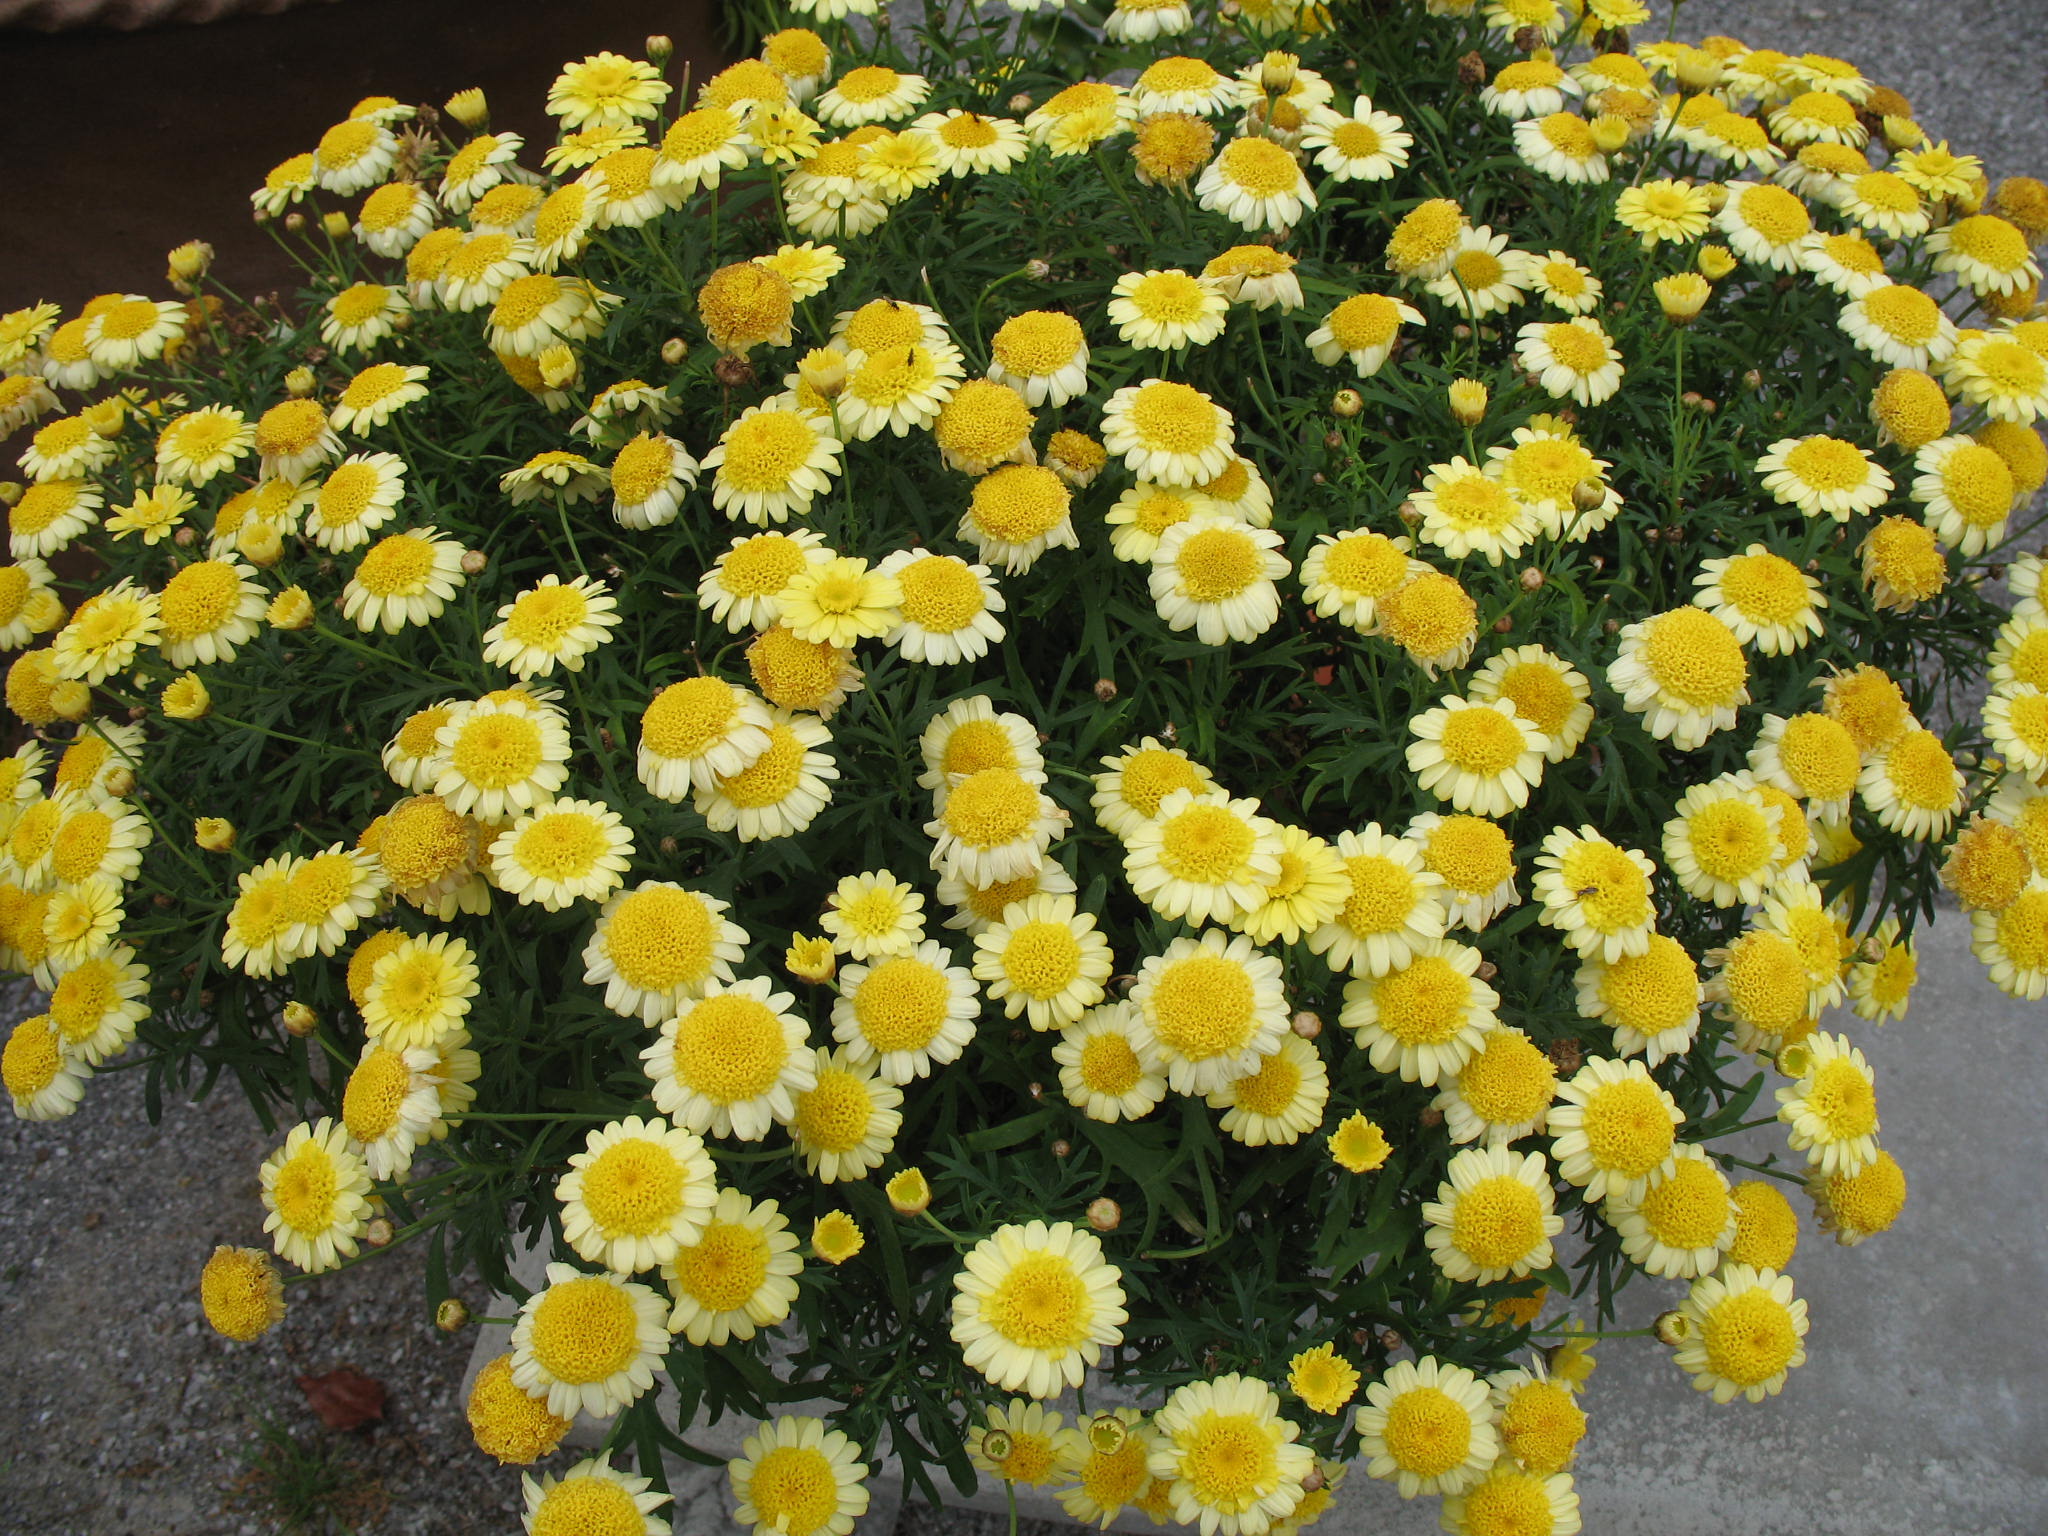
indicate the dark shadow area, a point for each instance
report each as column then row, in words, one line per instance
column 120, row 145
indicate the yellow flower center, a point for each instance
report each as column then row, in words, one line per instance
column 762, row 565
column 1921, row 771
column 1260, row 166
column 82, row 998
column 1270, row 1091
column 968, row 132
column 2023, row 931
column 834, row 1116
column 1731, row 839
column 1150, row 775
column 883, row 326
column 796, row 674
column 587, row 1506
column 32, row 1059
column 1978, row 485
column 763, row 454
column 1766, row 982
column 1628, row 1128
column 1171, row 298
column 1766, row 589
column 1174, row 418
column 1365, row 322
column 1482, row 741
column 319, row 886
column 1229, row 1460
column 1509, row 1503
column 660, row 939
column 726, row 1267
column 1206, row 844
column 1540, row 694
column 1871, row 1200
column 79, row 845
column 1507, row 1081
column 1694, row 657
column 376, row 1092
column 1425, row 234
column 585, row 1330
column 259, row 916
column 1042, row 959
column 1775, row 214
column 1844, row 1100
column 1382, row 896
column 359, row 304
column 1654, row 991
column 1203, row 1006
column 1477, row 270
column 940, row 594
column 1990, row 240
column 992, row 808
column 395, row 567
column 1428, row 1431
column 869, row 83
column 1020, row 503
column 793, row 1489
column 1904, row 314
column 888, row 378
column 562, row 845
column 633, row 1188
column 901, row 1004
column 504, row 206
column 641, row 469
column 1355, row 140
column 1471, row 854
column 562, row 215
column 1541, row 1427
column 1691, row 1208
column 1749, row 1338
column 495, row 751
column 1577, row 347
column 1498, row 1222
column 1109, row 1066
column 305, row 1190
column 1425, row 1002
column 687, row 719
column 348, row 494
column 730, row 1048
column 1365, row 564
column 626, row 172
column 1041, row 1303
column 1432, row 615
column 1038, row 343
column 524, row 300
column 129, row 320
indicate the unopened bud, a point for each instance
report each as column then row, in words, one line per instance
column 298, row 1019
column 291, row 609
column 1277, row 73
column 1346, row 403
column 822, row 370
column 1682, row 296
column 1753, row 381
column 1716, row 194
column 1307, row 1024
column 1503, row 625
column 451, row 1316
column 295, row 223
column 1409, row 513
column 674, row 350
column 1104, row 1214
column 1468, row 401
column 335, row 224
column 1390, row 1340
column 469, row 108
column 215, row 834
column 909, row 1192
column 260, row 544
column 1431, row 1117
column 1038, row 268
column 300, row 383
column 1532, row 579
column 660, row 48
column 1105, row 689
column 1610, row 132
column 1715, row 262
column 1674, row 1328
column 1062, row 1148
column 733, row 372
column 1903, row 133
column 189, row 261
column 378, row 1233
column 1021, row 102
column 1314, row 1481
column 71, row 700
column 558, row 366
column 1106, row 1432
column 1472, row 71
column 474, row 561
column 995, row 1445
column 1697, row 70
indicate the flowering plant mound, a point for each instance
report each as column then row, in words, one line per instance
column 1195, row 707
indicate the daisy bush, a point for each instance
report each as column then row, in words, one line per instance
column 1182, row 704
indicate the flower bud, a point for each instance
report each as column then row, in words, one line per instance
column 295, row 223
column 1468, row 401
column 810, row 959
column 1532, row 579
column 291, row 609
column 335, row 224
column 71, row 700
column 1716, row 195
column 822, row 370
column 1682, row 295
column 660, row 48
column 1062, row 1148
column 1903, row 133
column 298, row 1019
column 469, row 108
column 1346, row 403
column 1277, row 73
column 215, row 834
column 1673, row 1328
column 188, row 263
column 1697, row 70
column 452, row 1316
column 260, row 544
column 299, row 383
column 995, row 1445
column 910, row 1193
column 1107, row 1434
column 120, row 781
column 1610, row 132
column 1038, row 268
column 558, row 366
column 1306, row 1024
column 378, row 1233
column 1021, row 102
column 733, row 372
column 1105, row 689
column 674, row 350
column 1715, row 262
column 1104, row 1214
column 474, row 562
column 11, row 491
